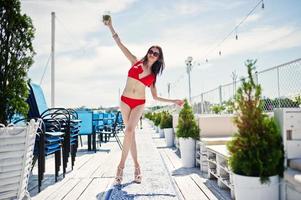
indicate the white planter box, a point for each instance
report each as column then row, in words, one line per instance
column 217, row 125
column 176, row 140
column 16, row 153
column 161, row 133
column 169, row 136
column 187, row 149
column 250, row 188
column 289, row 120
column 175, row 120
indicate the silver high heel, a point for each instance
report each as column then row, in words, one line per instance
column 138, row 176
column 118, row 177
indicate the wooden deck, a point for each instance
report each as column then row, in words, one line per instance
column 93, row 175
column 190, row 183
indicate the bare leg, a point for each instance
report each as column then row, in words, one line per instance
column 125, row 112
column 134, row 151
column 137, row 173
column 125, row 115
column 130, row 131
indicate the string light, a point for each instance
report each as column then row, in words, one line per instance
column 236, row 36
column 230, row 34
column 233, row 30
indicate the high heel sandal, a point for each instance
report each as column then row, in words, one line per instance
column 138, row 176
column 118, row 177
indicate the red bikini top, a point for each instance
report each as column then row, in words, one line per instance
column 137, row 69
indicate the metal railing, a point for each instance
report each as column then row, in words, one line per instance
column 281, row 86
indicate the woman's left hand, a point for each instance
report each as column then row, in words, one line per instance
column 179, row 102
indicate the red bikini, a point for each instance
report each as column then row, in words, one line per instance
column 137, row 69
column 148, row 80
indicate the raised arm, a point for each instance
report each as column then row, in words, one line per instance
column 124, row 50
column 155, row 97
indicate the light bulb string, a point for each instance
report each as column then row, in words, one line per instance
column 208, row 52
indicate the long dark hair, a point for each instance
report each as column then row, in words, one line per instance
column 159, row 65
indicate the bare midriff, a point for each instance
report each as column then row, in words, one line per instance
column 134, row 89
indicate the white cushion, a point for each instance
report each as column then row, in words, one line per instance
column 295, row 164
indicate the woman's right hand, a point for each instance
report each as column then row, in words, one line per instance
column 179, row 102
column 108, row 22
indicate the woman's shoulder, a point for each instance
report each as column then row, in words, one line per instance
column 137, row 62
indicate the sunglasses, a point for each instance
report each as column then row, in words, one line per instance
column 156, row 54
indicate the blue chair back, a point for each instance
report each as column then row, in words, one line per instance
column 119, row 119
column 39, row 97
column 97, row 115
column 86, row 117
column 98, row 123
column 105, row 118
column 110, row 121
column 113, row 115
column 105, row 115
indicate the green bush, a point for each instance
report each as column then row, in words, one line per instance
column 166, row 120
column 187, row 126
column 256, row 149
column 229, row 106
column 152, row 117
column 297, row 99
column 217, row 109
column 157, row 119
column 148, row 115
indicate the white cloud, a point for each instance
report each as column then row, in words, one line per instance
column 74, row 19
column 189, row 8
column 196, row 7
column 263, row 39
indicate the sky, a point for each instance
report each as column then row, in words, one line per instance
column 91, row 70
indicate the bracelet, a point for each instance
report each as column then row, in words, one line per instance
column 114, row 35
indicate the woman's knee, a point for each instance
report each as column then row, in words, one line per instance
column 130, row 130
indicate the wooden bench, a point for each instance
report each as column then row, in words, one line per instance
column 217, row 158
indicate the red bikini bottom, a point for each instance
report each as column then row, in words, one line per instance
column 132, row 103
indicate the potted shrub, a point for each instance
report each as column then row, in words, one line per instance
column 166, row 126
column 229, row 106
column 297, row 99
column 187, row 132
column 152, row 118
column 217, row 108
column 148, row 116
column 16, row 142
column 157, row 123
column 256, row 151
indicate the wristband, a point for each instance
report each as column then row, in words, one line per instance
column 114, row 35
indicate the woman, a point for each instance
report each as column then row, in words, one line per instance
column 142, row 73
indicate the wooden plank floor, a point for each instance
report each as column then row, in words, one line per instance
column 190, row 183
column 93, row 174
column 85, row 181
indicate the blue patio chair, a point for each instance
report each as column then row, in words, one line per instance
column 107, row 126
column 98, row 120
column 113, row 131
column 120, row 123
column 86, row 128
column 99, row 126
column 49, row 141
column 67, row 118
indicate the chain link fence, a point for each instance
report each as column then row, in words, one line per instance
column 281, row 87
